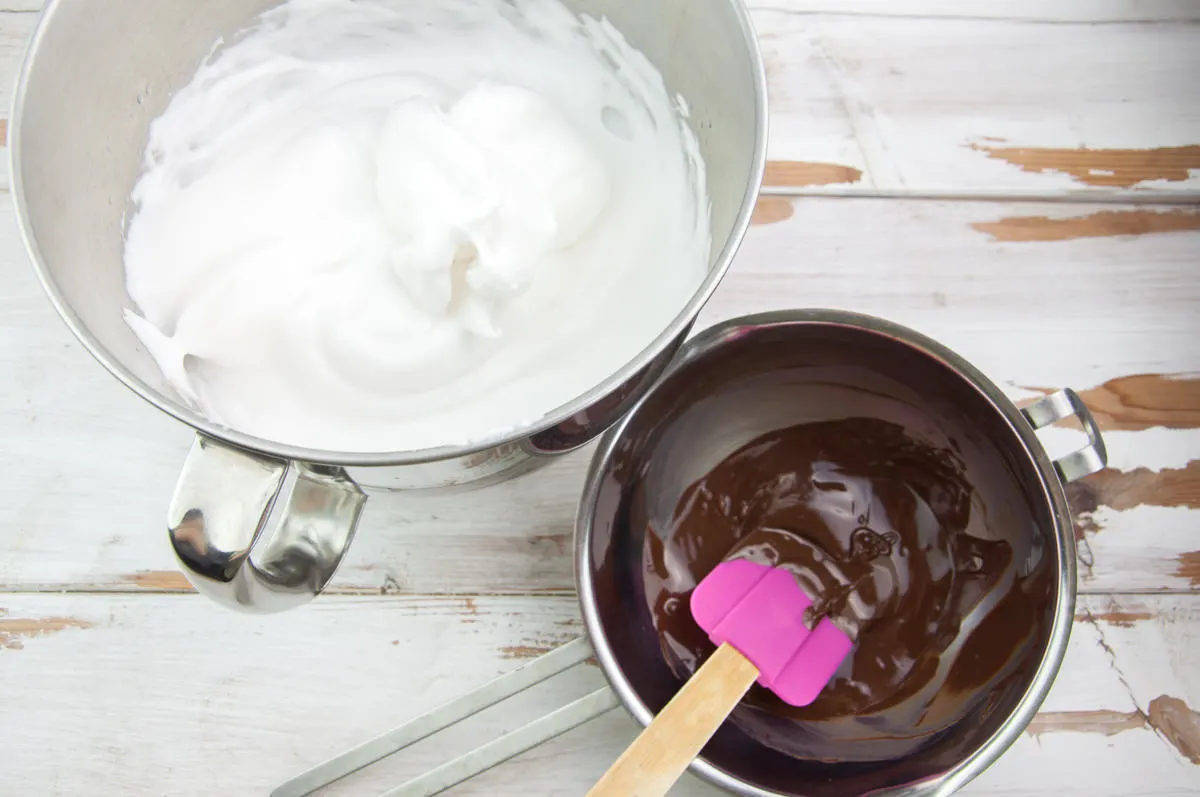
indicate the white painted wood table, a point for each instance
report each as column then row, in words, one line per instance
column 1018, row 178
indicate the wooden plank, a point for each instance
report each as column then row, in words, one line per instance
column 1032, row 314
column 1032, row 11
column 929, row 99
column 111, row 689
column 1044, row 11
column 932, row 97
column 89, row 468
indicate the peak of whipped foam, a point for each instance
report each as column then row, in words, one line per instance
column 475, row 197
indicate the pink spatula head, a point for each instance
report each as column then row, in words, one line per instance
column 755, row 615
column 759, row 610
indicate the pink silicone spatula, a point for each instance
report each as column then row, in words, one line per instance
column 755, row 615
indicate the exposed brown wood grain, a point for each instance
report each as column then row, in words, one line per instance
column 1189, row 567
column 1108, row 223
column 1126, row 489
column 1178, row 724
column 542, row 643
column 1169, row 716
column 1118, row 168
column 524, row 651
column 1122, row 490
column 1117, row 617
column 1101, row 721
column 159, row 581
column 1142, row 401
column 4, row 131
column 770, row 209
column 801, row 174
column 13, row 631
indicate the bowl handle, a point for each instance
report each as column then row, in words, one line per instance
column 246, row 540
column 1067, row 404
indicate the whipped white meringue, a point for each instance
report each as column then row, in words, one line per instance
column 382, row 226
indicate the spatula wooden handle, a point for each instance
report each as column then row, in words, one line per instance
column 656, row 759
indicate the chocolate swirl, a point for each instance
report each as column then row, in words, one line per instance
column 886, row 533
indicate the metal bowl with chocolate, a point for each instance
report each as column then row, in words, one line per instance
column 910, row 498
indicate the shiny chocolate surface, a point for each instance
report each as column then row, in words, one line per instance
column 883, row 529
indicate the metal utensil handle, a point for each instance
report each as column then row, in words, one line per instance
column 457, row 710
column 1066, row 404
column 514, row 743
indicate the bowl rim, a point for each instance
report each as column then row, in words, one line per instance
column 1039, row 685
column 180, row 411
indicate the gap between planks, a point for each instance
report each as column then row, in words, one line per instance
column 104, row 590
column 845, row 10
column 133, row 588
column 1063, row 197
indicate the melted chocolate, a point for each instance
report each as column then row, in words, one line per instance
column 880, row 524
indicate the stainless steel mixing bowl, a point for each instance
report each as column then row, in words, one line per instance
column 95, row 76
